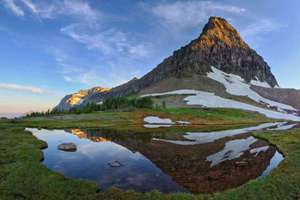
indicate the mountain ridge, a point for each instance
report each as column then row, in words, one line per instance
column 218, row 45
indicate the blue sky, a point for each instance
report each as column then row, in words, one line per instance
column 52, row 48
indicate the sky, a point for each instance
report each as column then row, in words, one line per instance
column 50, row 48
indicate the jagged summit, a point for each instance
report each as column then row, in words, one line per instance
column 221, row 45
column 219, row 32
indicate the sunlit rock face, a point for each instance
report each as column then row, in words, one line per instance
column 79, row 98
column 221, row 46
column 76, row 98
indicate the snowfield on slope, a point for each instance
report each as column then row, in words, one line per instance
column 208, row 99
column 236, row 85
column 259, row 83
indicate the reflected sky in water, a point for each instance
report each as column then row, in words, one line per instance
column 148, row 163
column 91, row 161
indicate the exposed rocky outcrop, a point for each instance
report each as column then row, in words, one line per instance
column 218, row 45
column 79, row 98
column 221, row 46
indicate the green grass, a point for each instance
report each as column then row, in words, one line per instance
column 134, row 120
column 23, row 177
column 232, row 115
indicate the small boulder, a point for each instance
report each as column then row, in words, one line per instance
column 67, row 147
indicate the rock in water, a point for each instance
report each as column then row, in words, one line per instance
column 67, row 147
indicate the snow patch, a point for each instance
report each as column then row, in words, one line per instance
column 157, row 120
column 208, row 99
column 211, row 100
column 236, row 85
column 260, row 83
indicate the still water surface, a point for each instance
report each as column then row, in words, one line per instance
column 199, row 162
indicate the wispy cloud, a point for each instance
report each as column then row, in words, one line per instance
column 13, row 7
column 181, row 15
column 24, row 88
column 261, row 26
column 108, row 41
column 80, row 9
column 31, row 6
column 75, row 8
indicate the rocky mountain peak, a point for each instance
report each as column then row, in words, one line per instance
column 219, row 32
column 219, row 45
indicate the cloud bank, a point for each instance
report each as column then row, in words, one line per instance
column 23, row 88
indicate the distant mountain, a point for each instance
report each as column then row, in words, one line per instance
column 78, row 98
column 219, row 49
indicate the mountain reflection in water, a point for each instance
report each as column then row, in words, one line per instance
column 146, row 163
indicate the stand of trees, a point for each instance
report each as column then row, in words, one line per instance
column 116, row 103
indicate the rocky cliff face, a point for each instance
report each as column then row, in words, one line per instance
column 219, row 45
column 79, row 98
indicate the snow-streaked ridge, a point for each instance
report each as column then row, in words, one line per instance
column 208, row 99
column 236, row 85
